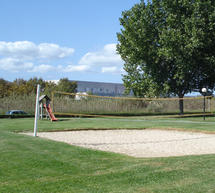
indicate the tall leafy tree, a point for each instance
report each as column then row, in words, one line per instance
column 49, row 88
column 31, row 84
column 170, row 44
column 4, row 88
column 66, row 85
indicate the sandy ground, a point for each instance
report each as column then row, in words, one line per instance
column 139, row 143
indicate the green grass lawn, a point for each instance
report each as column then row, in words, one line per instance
column 29, row 164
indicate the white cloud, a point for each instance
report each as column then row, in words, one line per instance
column 14, row 65
column 23, row 55
column 105, row 60
column 29, row 50
column 76, row 68
column 18, row 49
column 42, row 68
column 110, row 49
column 27, row 56
column 54, row 51
column 111, row 69
column 106, row 57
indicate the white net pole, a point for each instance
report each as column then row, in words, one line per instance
column 36, row 110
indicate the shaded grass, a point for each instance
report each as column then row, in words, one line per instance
column 29, row 164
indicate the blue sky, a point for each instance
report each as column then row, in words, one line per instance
column 53, row 39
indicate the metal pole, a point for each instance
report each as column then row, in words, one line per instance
column 36, row 110
column 204, row 108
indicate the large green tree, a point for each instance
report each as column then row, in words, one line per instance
column 27, row 87
column 66, row 85
column 170, row 44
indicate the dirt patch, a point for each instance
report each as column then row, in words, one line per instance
column 139, row 143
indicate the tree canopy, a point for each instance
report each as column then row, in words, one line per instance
column 27, row 87
column 168, row 47
column 66, row 85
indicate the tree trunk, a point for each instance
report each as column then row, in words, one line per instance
column 181, row 104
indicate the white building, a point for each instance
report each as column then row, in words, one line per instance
column 100, row 88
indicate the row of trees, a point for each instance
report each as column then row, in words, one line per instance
column 27, row 87
column 168, row 47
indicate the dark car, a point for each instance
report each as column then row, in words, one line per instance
column 16, row 112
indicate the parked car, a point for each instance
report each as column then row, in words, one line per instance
column 16, row 112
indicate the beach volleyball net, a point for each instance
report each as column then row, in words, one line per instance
column 91, row 105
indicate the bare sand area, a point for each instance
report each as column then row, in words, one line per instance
column 139, row 143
